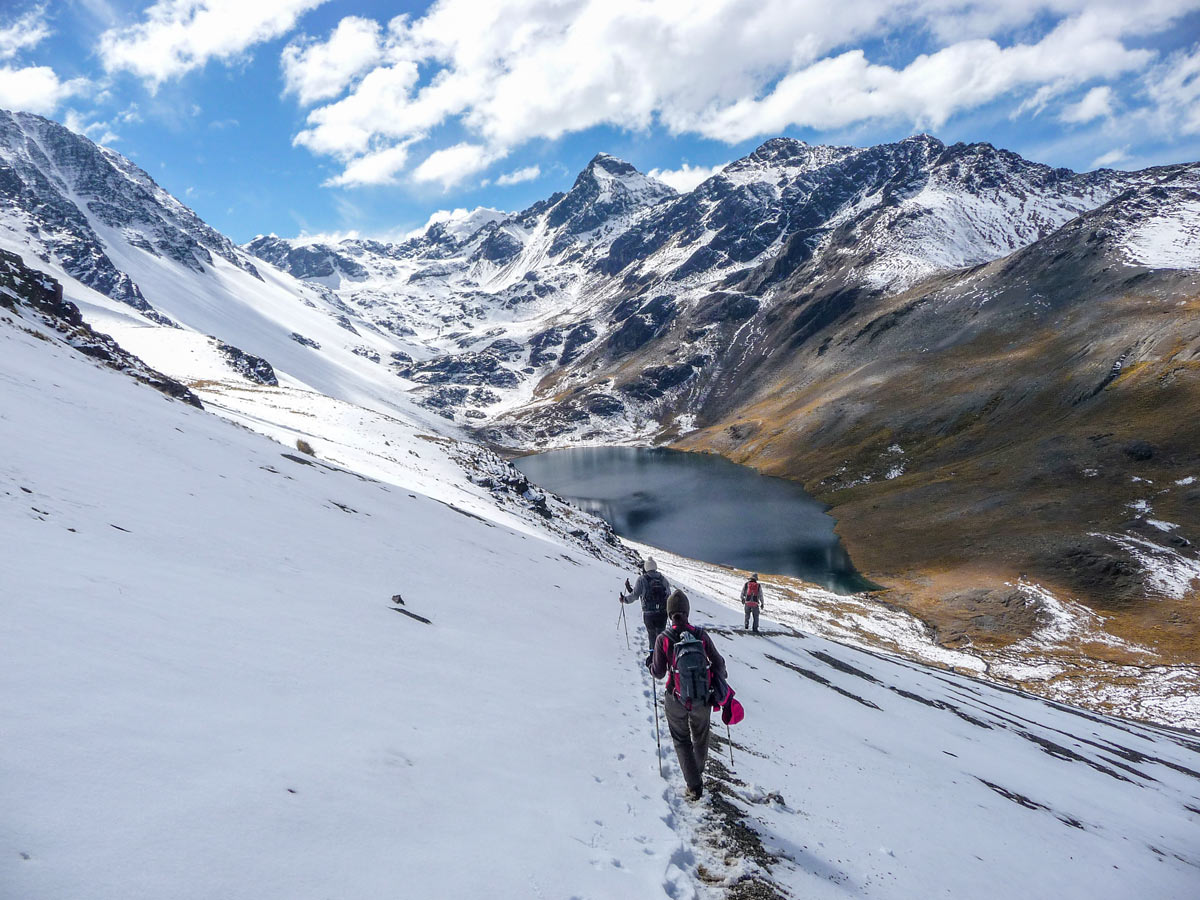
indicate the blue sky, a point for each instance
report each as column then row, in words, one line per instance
column 339, row 116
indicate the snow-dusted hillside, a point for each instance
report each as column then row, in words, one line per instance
column 205, row 691
column 145, row 269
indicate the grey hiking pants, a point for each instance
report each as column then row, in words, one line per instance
column 751, row 611
column 656, row 624
column 689, row 732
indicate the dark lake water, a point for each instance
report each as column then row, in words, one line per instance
column 704, row 507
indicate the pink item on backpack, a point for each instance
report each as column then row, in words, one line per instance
column 733, row 712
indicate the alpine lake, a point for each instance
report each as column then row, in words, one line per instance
column 704, row 507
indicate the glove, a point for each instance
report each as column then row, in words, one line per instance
column 628, row 586
column 649, row 659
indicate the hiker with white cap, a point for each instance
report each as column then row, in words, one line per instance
column 652, row 589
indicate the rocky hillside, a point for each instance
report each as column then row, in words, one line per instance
column 1031, row 416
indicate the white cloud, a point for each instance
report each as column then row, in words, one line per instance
column 453, row 164
column 317, row 71
column 529, row 173
column 36, row 89
column 27, row 31
column 509, row 71
column 379, row 167
column 686, row 176
column 178, row 36
column 1174, row 89
column 100, row 132
column 1095, row 104
column 356, row 123
column 846, row 89
column 1111, row 158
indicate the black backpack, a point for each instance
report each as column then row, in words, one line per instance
column 654, row 600
column 690, row 667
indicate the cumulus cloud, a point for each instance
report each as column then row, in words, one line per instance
column 453, row 164
column 317, row 71
column 379, row 167
column 728, row 69
column 1096, row 104
column 846, row 89
column 36, row 89
column 529, row 173
column 358, row 122
column 27, row 31
column 686, row 176
column 178, row 36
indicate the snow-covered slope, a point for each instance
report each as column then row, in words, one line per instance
column 143, row 268
column 205, row 692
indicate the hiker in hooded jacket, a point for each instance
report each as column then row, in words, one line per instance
column 652, row 589
column 686, row 655
column 752, row 600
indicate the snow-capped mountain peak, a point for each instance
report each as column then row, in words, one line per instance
column 460, row 224
column 609, row 187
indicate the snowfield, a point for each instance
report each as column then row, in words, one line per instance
column 206, row 691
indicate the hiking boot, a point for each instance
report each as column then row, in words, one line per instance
column 694, row 793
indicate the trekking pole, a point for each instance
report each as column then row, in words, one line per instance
column 657, row 738
column 626, row 622
column 729, row 735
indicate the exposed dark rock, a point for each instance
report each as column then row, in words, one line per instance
column 604, row 405
column 309, row 261
column 574, row 342
column 657, row 380
column 725, row 307
column 254, row 368
column 304, row 341
column 1099, row 569
column 505, row 348
column 446, row 396
column 650, row 321
column 1139, row 451
column 465, row 368
column 499, row 247
column 483, row 396
column 540, row 345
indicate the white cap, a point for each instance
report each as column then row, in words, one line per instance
column 650, row 565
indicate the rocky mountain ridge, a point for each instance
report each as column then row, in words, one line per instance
column 623, row 272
